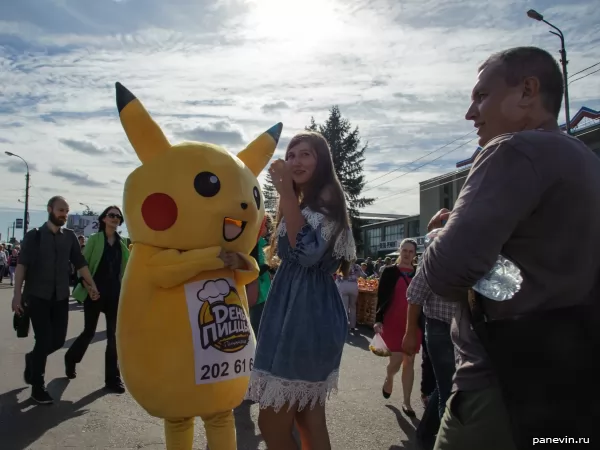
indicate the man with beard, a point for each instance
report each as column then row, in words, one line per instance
column 526, row 367
column 44, row 263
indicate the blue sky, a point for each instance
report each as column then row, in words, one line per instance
column 225, row 70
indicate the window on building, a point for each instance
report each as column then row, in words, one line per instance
column 413, row 228
column 447, row 201
column 392, row 235
column 391, row 232
column 459, row 186
column 374, row 238
column 400, row 232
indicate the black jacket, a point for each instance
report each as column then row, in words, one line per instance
column 385, row 292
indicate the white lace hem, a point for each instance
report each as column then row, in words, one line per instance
column 344, row 247
column 273, row 392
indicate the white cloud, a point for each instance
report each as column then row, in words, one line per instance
column 226, row 70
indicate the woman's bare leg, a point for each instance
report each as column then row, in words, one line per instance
column 312, row 425
column 276, row 428
column 393, row 368
column 408, row 376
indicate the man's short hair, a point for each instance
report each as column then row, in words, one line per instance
column 522, row 62
column 54, row 199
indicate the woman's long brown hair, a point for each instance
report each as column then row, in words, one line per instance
column 323, row 181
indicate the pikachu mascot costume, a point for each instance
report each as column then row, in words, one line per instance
column 185, row 345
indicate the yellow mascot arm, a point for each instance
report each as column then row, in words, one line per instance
column 170, row 268
column 249, row 274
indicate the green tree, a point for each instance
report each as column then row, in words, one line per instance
column 271, row 197
column 89, row 212
column 348, row 158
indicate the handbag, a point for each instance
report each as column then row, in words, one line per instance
column 21, row 323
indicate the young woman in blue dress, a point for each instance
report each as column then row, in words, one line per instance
column 304, row 323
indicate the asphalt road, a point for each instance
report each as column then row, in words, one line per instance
column 84, row 416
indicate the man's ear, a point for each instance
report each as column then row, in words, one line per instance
column 531, row 90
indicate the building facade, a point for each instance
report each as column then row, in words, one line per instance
column 371, row 218
column 439, row 192
column 585, row 125
column 384, row 237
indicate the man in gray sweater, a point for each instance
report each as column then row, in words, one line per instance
column 526, row 365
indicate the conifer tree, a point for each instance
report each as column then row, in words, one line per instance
column 271, row 197
column 348, row 158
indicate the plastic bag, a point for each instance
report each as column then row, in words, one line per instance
column 378, row 346
column 502, row 282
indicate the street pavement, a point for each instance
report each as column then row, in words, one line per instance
column 84, row 416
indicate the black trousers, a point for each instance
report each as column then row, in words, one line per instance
column 91, row 311
column 547, row 365
column 49, row 320
column 255, row 317
column 428, row 383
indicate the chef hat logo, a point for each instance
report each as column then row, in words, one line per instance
column 213, row 291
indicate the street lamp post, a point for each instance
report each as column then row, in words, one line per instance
column 26, row 215
column 87, row 207
column 533, row 14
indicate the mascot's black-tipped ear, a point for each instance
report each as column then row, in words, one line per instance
column 124, row 97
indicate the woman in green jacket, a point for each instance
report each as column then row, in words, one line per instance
column 107, row 254
column 263, row 283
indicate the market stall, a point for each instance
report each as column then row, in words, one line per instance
column 366, row 306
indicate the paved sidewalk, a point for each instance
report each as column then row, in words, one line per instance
column 86, row 417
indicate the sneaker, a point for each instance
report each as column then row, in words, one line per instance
column 27, row 372
column 70, row 371
column 115, row 386
column 40, row 395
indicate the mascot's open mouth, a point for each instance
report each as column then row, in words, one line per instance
column 232, row 228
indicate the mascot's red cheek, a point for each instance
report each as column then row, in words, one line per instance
column 159, row 212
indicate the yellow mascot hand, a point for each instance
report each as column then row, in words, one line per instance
column 170, row 268
column 250, row 273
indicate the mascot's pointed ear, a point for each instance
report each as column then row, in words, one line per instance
column 145, row 135
column 260, row 151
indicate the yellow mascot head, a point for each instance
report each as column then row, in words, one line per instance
column 191, row 195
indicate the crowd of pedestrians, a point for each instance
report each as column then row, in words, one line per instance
column 503, row 371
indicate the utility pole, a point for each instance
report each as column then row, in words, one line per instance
column 13, row 230
column 533, row 14
column 26, row 213
column 26, row 217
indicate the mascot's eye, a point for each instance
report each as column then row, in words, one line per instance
column 207, row 184
column 256, row 194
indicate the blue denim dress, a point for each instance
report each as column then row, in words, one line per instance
column 304, row 323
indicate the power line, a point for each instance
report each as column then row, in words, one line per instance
column 446, row 153
column 457, row 139
column 584, row 76
column 422, row 165
column 418, row 159
column 583, row 70
column 422, row 190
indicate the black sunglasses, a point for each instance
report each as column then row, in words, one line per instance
column 114, row 216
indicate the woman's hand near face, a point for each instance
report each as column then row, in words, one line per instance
column 281, row 177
